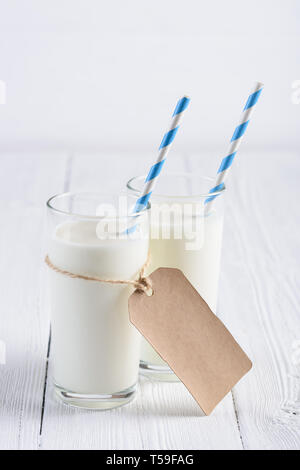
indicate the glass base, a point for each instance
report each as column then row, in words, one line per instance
column 95, row 401
column 159, row 373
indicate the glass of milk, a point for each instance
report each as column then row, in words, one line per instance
column 185, row 236
column 95, row 350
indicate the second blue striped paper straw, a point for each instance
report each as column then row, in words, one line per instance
column 164, row 148
column 234, row 144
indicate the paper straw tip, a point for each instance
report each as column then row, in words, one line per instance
column 259, row 85
column 187, row 99
column 182, row 104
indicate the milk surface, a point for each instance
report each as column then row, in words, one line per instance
column 201, row 266
column 95, row 349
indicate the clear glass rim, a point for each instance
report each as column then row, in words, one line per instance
column 191, row 197
column 58, row 196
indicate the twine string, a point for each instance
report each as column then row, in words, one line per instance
column 143, row 283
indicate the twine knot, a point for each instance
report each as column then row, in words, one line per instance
column 144, row 284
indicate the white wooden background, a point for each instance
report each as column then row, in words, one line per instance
column 259, row 302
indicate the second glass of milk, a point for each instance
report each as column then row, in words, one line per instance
column 186, row 236
column 95, row 350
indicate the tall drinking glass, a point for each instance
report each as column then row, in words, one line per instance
column 183, row 235
column 95, row 350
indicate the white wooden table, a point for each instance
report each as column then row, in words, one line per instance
column 259, row 302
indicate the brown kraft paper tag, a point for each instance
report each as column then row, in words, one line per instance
column 197, row 346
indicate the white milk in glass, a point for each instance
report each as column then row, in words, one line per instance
column 200, row 262
column 95, row 350
column 200, row 265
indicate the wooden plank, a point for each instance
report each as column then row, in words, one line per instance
column 259, row 294
column 260, row 254
column 26, row 182
column 164, row 416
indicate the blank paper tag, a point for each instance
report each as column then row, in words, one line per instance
column 180, row 326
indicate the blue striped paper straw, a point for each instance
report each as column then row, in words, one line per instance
column 234, row 143
column 164, row 148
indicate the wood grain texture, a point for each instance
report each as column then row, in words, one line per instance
column 164, row 416
column 25, row 184
column 258, row 302
column 259, row 289
column 263, row 217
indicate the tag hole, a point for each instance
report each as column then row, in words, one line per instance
column 149, row 292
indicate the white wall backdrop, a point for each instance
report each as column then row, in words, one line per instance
column 88, row 74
